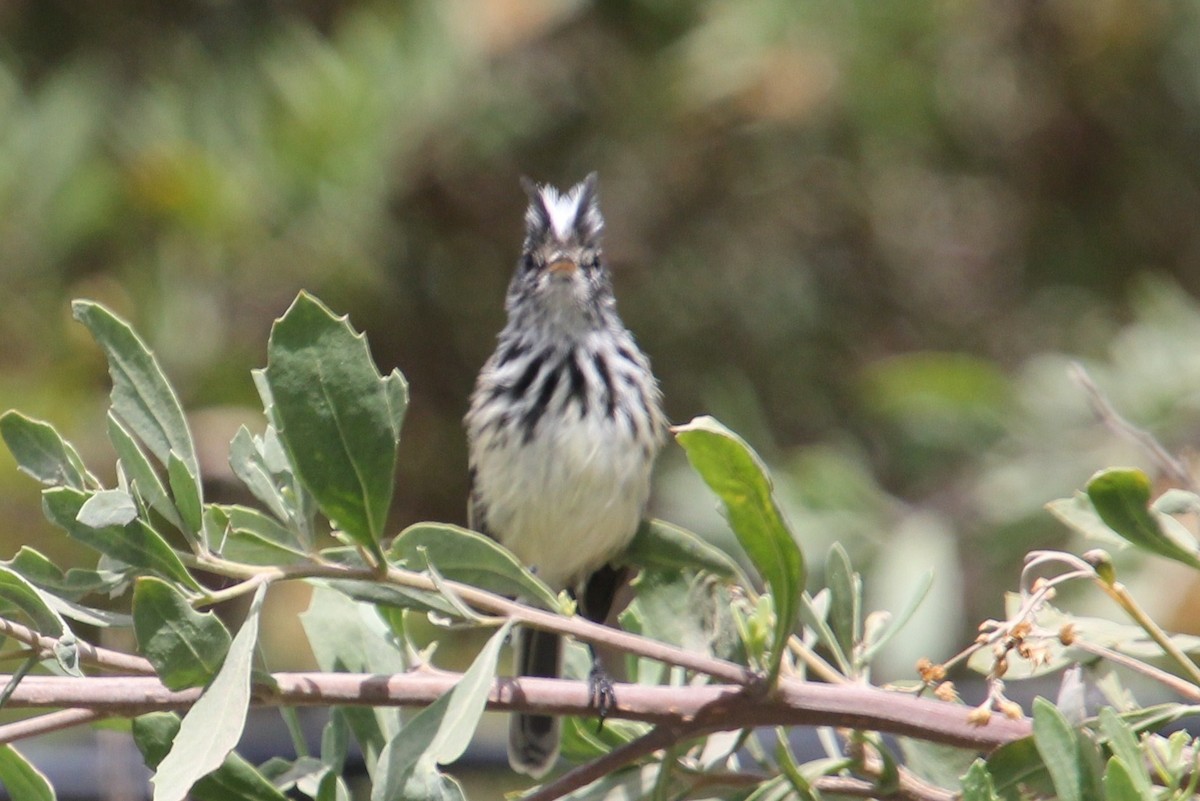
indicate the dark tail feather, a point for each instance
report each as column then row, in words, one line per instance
column 533, row 739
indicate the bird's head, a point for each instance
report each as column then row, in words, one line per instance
column 561, row 267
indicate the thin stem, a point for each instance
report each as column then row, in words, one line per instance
column 814, row 662
column 1181, row 686
column 1118, row 593
column 214, row 597
column 1107, row 414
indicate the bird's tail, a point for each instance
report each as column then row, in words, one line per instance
column 533, row 740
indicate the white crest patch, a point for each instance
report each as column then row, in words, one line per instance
column 563, row 209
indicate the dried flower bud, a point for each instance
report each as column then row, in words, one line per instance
column 929, row 672
column 946, row 692
column 1066, row 635
column 1011, row 709
column 979, row 716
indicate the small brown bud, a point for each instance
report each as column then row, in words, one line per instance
column 946, row 692
column 979, row 716
column 1066, row 635
column 1011, row 709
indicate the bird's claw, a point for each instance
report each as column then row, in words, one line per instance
column 600, row 694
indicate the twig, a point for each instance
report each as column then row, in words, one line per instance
column 1185, row 688
column 1109, row 416
column 44, row 724
column 583, row 775
column 577, row 627
column 94, row 655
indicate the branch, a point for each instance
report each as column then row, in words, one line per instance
column 93, row 655
column 44, row 724
column 580, row 628
column 696, row 709
column 1112, row 419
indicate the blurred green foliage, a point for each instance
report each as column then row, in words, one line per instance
column 866, row 235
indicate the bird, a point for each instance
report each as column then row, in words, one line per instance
column 563, row 428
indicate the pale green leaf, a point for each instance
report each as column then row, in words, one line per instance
column 189, row 499
column 107, row 508
column 335, row 417
column 186, row 647
column 20, row 779
column 736, row 474
column 235, row 779
column 134, row 544
column 141, row 473
column 470, row 558
column 212, row 727
column 141, row 395
column 439, row 733
column 42, row 453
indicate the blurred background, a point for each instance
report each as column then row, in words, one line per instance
column 868, row 236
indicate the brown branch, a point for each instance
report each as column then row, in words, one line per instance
column 701, row 709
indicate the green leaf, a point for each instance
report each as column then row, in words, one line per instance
column 141, row 394
column 248, row 463
column 1122, row 499
column 1078, row 513
column 21, row 779
column 637, row 782
column 397, row 397
column 1124, row 746
column 185, row 487
column 107, row 508
column 470, row 558
column 662, row 546
column 977, row 783
column 186, row 647
column 20, row 593
column 140, row 472
column 213, row 726
column 347, row 636
column 736, row 474
column 1017, row 768
column 682, row 609
column 72, row 585
column 938, row 764
column 335, row 417
column 235, row 779
column 1058, row 744
column 441, row 732
column 41, row 453
column 134, row 544
column 1119, row 784
column 845, row 599
column 895, row 624
column 335, row 740
column 246, row 535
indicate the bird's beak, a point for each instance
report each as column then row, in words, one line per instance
column 564, row 267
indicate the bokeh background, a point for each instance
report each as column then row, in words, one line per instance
column 869, row 236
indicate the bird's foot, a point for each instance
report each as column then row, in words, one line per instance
column 600, row 694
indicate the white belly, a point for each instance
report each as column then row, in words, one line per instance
column 569, row 500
